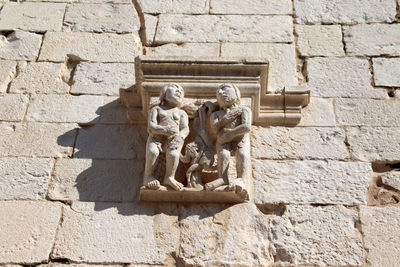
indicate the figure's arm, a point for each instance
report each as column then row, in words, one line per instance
column 184, row 125
column 218, row 123
column 244, row 127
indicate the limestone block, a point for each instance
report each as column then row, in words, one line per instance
column 230, row 28
column 25, row 16
column 97, row 78
column 94, row 47
column 36, row 139
column 111, row 232
column 319, row 40
column 281, row 57
column 13, row 107
column 28, row 230
column 100, row 18
column 123, row 142
column 386, row 71
column 372, row 39
column 316, row 236
column 40, row 78
column 20, row 46
column 341, row 77
column 224, row 236
column 174, row 6
column 318, row 113
column 264, row 7
column 150, row 25
column 374, row 143
column 367, row 112
column 380, row 227
column 24, row 178
column 105, row 1
column 64, row 108
column 391, row 179
column 344, row 11
column 298, row 143
column 7, row 72
column 308, row 182
column 96, row 180
column 113, row 111
column 186, row 49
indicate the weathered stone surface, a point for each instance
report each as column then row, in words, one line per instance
column 341, row 77
column 7, row 72
column 143, row 234
column 24, row 178
column 186, row 49
column 386, row 71
column 174, row 6
column 107, row 1
column 281, row 57
column 391, row 179
column 367, row 112
column 13, row 107
column 64, row 108
column 381, row 235
column 39, row 78
column 25, row 16
column 123, row 142
column 374, row 143
column 20, row 46
column 318, row 113
column 307, row 182
column 113, row 112
column 319, row 40
column 150, row 25
column 224, row 236
column 372, row 39
column 28, row 230
column 266, row 7
column 100, row 18
column 97, row 78
column 36, row 139
column 298, row 143
column 347, row 11
column 230, row 28
column 96, row 180
column 321, row 236
column 90, row 46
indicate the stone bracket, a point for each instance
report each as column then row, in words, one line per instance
column 201, row 77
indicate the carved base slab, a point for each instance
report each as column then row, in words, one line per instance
column 191, row 195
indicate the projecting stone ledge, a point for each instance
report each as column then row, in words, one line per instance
column 164, row 194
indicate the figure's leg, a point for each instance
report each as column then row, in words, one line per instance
column 243, row 161
column 152, row 152
column 172, row 161
column 223, row 166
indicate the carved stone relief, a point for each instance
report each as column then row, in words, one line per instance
column 199, row 115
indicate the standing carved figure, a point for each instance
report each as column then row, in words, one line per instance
column 168, row 127
column 232, row 124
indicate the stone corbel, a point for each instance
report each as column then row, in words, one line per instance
column 201, row 77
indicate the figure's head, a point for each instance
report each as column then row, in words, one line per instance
column 227, row 95
column 172, row 93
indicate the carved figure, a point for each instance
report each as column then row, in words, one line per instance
column 232, row 124
column 168, row 127
column 199, row 153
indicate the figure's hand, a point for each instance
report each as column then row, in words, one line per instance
column 233, row 113
column 169, row 131
column 211, row 107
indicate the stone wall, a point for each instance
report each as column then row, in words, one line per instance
column 326, row 191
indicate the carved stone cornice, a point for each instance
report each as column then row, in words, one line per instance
column 201, row 77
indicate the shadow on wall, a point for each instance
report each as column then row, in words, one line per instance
column 107, row 166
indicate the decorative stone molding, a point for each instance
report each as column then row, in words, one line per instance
column 201, row 77
column 205, row 108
